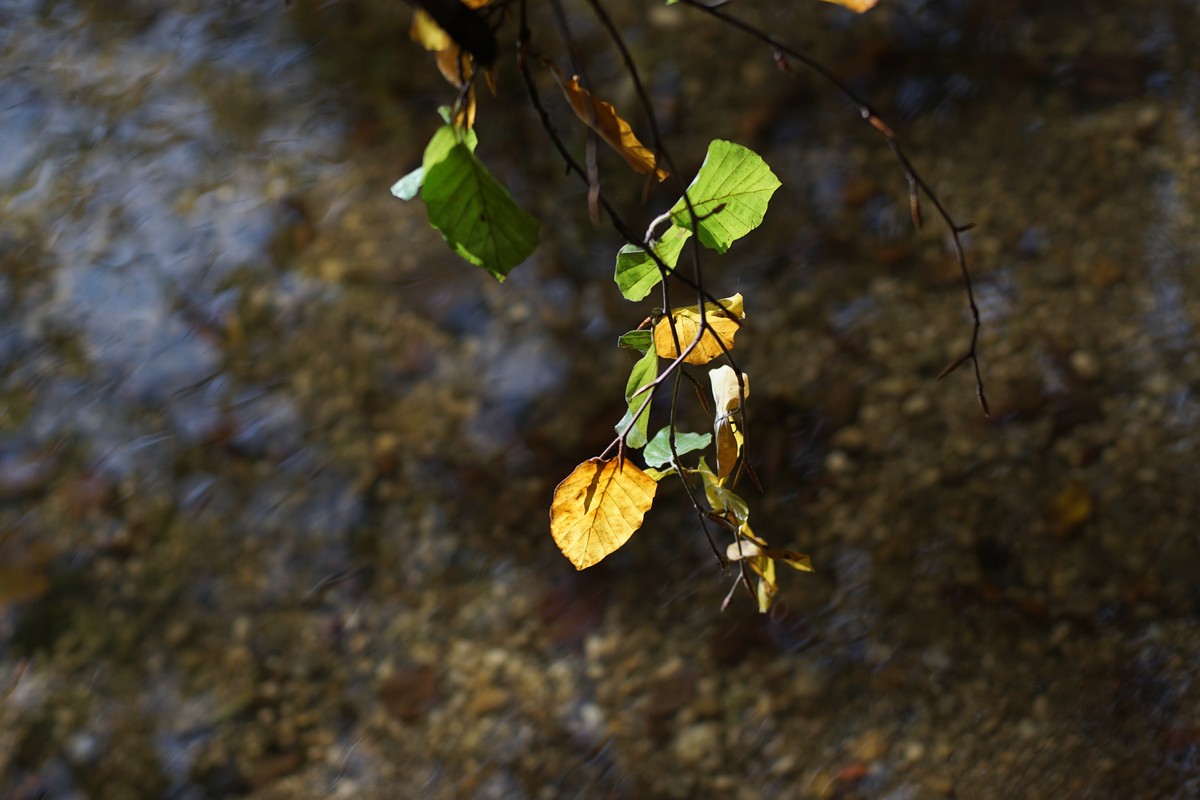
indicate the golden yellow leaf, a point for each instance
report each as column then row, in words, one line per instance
column 427, row 33
column 857, row 6
column 601, row 117
column 723, row 320
column 598, row 507
column 765, row 567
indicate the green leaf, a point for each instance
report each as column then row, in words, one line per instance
column 636, row 340
column 443, row 140
column 475, row 213
column 729, row 195
column 644, row 372
column 659, row 474
column 658, row 451
column 637, row 274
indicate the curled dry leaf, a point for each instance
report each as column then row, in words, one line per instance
column 728, row 396
column 598, row 507
column 601, row 117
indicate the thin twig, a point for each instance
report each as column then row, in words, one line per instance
column 916, row 183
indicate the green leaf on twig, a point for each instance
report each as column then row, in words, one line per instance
column 637, row 274
column 729, row 195
column 475, row 213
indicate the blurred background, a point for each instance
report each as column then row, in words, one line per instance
column 275, row 466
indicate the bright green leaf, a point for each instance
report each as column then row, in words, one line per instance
column 658, row 451
column 475, row 213
column 644, row 372
column 443, row 141
column 729, row 195
column 439, row 146
column 637, row 274
column 636, row 340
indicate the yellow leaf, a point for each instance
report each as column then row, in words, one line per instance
column 765, row 567
column 723, row 320
column 601, row 117
column 598, row 507
column 427, row 33
column 728, row 396
column 857, row 6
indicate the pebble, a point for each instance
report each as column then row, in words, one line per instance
column 1085, row 365
column 838, row 463
column 488, row 700
column 915, row 404
column 698, row 743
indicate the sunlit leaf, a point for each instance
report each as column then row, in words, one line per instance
column 759, row 556
column 728, row 396
column 448, row 24
column 475, row 213
column 442, row 142
column 427, row 33
column 767, row 588
column 750, row 546
column 659, row 474
column 601, row 117
column 658, row 451
column 598, row 507
column 729, row 195
column 742, row 548
column 643, row 374
column 637, row 274
column 722, row 319
column 722, row 499
column 857, row 6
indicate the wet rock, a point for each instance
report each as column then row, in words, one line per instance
column 574, row 608
column 741, row 632
column 667, row 696
column 698, row 744
column 488, row 700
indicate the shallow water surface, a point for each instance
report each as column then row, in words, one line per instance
column 274, row 467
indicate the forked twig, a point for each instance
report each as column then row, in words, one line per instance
column 916, row 184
